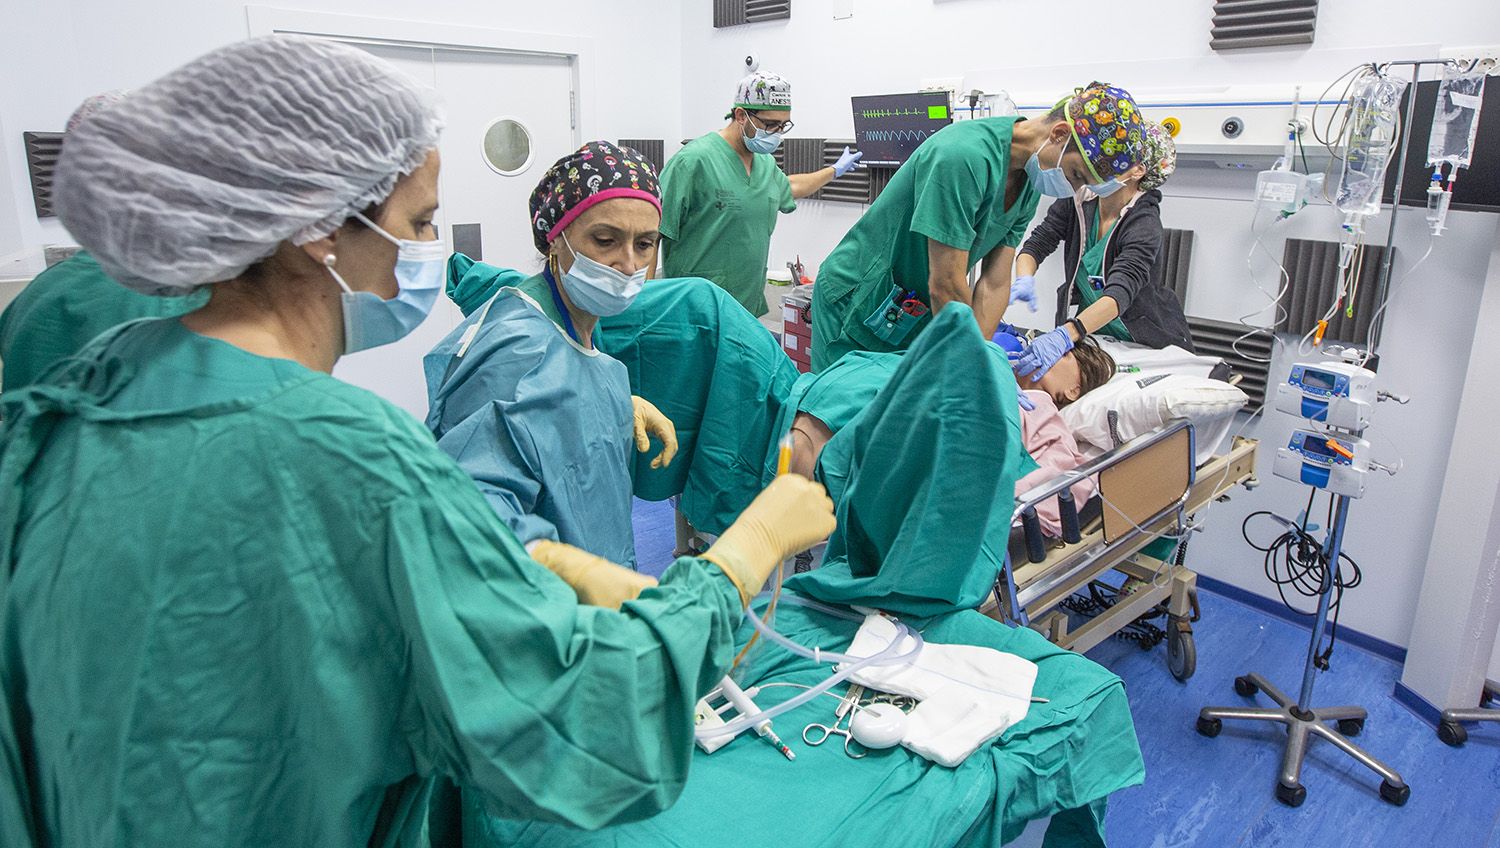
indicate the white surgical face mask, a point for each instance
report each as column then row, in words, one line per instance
column 369, row 319
column 599, row 289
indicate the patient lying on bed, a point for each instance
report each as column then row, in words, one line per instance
column 1048, row 440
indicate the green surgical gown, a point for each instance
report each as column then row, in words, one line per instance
column 924, row 478
column 722, row 379
column 952, row 191
column 717, row 219
column 245, row 603
column 64, row 308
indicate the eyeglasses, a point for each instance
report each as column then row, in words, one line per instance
column 772, row 127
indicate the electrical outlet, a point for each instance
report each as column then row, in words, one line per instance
column 1466, row 54
column 951, row 84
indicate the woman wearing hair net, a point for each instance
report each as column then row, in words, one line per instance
column 242, row 602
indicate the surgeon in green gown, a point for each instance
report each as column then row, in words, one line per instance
column 965, row 196
column 244, row 603
column 722, row 191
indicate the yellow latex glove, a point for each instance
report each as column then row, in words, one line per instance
column 790, row 516
column 597, row 581
column 650, row 422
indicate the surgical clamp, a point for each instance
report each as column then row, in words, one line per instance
column 845, row 710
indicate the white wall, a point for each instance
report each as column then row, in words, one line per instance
column 66, row 50
column 893, row 45
column 1494, row 673
column 1458, row 608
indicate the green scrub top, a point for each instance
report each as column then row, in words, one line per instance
column 717, row 219
column 245, row 603
column 64, row 308
column 951, row 190
column 1090, row 265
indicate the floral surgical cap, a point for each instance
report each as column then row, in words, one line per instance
column 595, row 172
column 1108, row 128
column 1161, row 156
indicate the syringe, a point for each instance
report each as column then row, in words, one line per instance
column 736, row 696
column 1438, row 200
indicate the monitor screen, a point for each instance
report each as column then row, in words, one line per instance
column 888, row 127
column 1317, row 379
column 1478, row 186
column 1317, row 445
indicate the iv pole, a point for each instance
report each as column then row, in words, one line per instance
column 1303, row 721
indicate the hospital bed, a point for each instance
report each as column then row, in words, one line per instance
column 1150, row 488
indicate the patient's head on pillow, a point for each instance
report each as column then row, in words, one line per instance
column 1081, row 370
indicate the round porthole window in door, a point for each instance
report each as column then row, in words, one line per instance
column 507, row 147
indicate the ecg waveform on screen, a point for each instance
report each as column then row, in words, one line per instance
column 893, row 135
column 893, row 113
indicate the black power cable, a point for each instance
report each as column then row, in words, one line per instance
column 1298, row 561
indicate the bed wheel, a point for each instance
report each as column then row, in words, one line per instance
column 1452, row 733
column 1182, row 653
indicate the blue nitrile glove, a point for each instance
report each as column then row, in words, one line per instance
column 846, row 162
column 1043, row 353
column 1024, row 288
column 1026, row 403
column 1010, row 338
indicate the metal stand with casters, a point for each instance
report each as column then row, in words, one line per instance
column 1301, row 719
column 1452, row 733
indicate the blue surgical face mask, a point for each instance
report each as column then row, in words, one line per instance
column 762, row 141
column 597, row 288
column 1106, row 188
column 369, row 319
column 1049, row 181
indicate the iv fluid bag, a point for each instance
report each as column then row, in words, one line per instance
column 1374, row 118
column 1455, row 120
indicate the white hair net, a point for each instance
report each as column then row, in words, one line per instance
column 93, row 105
column 202, row 173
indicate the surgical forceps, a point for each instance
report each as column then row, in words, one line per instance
column 845, row 710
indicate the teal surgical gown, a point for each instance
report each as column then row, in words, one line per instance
column 64, row 308
column 244, row 603
column 542, row 425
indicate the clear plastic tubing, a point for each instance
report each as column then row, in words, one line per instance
column 888, row 656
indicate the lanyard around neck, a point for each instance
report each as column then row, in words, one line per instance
column 562, row 308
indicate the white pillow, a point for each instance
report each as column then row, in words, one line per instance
column 1132, row 405
column 1147, row 360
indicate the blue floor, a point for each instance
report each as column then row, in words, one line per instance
column 1217, row 793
